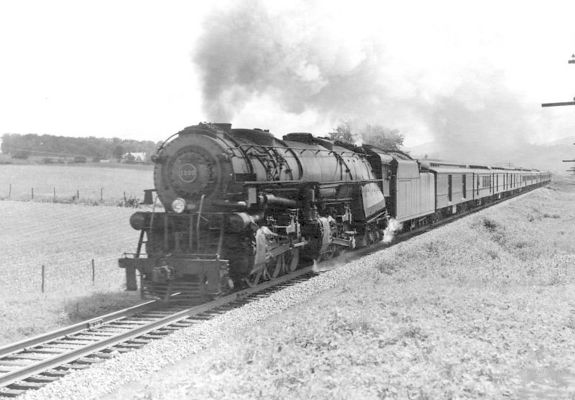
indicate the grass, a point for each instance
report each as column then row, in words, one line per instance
column 481, row 308
column 94, row 183
column 63, row 238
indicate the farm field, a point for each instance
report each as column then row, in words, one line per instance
column 64, row 238
column 481, row 308
column 92, row 182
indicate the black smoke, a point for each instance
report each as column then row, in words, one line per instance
column 302, row 61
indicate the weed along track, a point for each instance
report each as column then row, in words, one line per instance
column 33, row 363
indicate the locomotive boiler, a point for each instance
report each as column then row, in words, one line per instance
column 241, row 206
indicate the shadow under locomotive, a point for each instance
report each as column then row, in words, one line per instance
column 242, row 206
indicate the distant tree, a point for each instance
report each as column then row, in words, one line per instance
column 342, row 133
column 382, row 137
column 5, row 143
column 118, row 152
column 22, row 155
column 70, row 147
column 376, row 135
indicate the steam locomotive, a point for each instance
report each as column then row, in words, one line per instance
column 241, row 206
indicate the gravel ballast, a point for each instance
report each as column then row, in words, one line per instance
column 481, row 308
column 137, row 365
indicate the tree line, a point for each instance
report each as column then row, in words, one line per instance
column 95, row 149
column 91, row 148
column 377, row 135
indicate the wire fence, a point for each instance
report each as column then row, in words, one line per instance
column 48, row 193
column 65, row 279
column 73, row 184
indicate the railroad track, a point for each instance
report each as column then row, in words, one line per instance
column 33, row 363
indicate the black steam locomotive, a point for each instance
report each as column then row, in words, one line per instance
column 241, row 206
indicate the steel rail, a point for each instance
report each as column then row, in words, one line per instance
column 50, row 363
column 72, row 329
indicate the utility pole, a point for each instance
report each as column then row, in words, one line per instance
column 562, row 103
column 573, row 168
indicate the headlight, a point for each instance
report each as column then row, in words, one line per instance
column 179, row 205
column 139, row 220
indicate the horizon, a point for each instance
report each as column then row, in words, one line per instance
column 426, row 151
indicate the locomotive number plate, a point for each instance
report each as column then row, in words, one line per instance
column 188, row 173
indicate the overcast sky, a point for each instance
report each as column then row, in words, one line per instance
column 137, row 69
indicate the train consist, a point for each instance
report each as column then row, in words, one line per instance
column 241, row 206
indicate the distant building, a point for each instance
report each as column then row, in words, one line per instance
column 134, row 157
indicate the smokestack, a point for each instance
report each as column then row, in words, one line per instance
column 226, row 127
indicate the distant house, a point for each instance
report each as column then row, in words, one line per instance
column 134, row 157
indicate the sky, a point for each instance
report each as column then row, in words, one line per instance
column 443, row 71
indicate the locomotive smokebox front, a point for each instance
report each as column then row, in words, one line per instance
column 192, row 166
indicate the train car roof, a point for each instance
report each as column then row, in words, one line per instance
column 448, row 168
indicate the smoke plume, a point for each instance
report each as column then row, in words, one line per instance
column 301, row 59
column 291, row 56
column 392, row 228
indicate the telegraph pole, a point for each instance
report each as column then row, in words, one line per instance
column 572, row 168
column 562, row 103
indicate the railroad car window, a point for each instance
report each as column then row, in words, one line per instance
column 464, row 185
column 497, row 182
column 478, row 185
column 449, row 187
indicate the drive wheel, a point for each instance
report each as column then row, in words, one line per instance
column 254, row 278
column 290, row 260
column 274, row 267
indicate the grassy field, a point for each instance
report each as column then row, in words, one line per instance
column 64, row 238
column 481, row 308
column 93, row 182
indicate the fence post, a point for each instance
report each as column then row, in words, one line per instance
column 43, row 277
column 32, row 191
column 93, row 272
column 102, row 194
column 54, row 193
column 77, row 194
column 10, row 191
